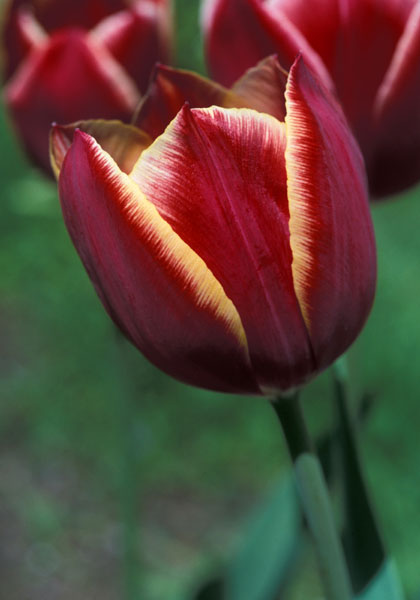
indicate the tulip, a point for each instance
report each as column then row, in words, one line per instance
column 365, row 50
column 84, row 59
column 235, row 250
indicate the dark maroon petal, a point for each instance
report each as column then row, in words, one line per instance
column 331, row 232
column 395, row 161
column 156, row 289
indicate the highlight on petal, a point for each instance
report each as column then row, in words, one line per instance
column 123, row 142
column 143, row 31
column 170, row 89
column 331, row 233
column 38, row 93
column 217, row 176
column 154, row 286
column 395, row 164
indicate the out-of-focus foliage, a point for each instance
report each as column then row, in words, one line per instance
column 103, row 459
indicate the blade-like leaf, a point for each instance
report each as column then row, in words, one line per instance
column 372, row 573
column 265, row 561
column 385, row 585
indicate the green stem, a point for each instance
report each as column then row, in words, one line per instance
column 314, row 498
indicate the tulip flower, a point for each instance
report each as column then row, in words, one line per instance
column 84, row 59
column 365, row 50
column 235, row 249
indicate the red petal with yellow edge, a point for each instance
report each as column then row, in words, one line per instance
column 396, row 158
column 39, row 93
column 240, row 33
column 331, row 233
column 168, row 92
column 217, row 176
column 137, row 39
column 123, row 142
column 153, row 285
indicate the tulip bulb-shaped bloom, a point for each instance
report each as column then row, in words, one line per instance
column 235, row 250
column 83, row 59
column 367, row 50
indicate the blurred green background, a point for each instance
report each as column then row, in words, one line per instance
column 119, row 483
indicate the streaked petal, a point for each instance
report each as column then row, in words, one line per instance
column 137, row 38
column 218, row 177
column 396, row 163
column 39, row 92
column 123, row 142
column 169, row 90
column 158, row 291
column 331, row 232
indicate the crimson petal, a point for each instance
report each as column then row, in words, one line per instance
column 153, row 285
column 331, row 232
column 218, row 177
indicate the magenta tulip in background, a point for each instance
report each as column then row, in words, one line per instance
column 367, row 50
column 83, row 59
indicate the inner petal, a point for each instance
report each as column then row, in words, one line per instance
column 218, row 177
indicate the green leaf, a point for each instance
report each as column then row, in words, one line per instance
column 385, row 586
column 265, row 560
column 372, row 573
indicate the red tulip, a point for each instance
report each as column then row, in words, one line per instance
column 66, row 61
column 367, row 50
column 236, row 251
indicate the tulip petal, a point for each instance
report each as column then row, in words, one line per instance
column 21, row 34
column 331, row 232
column 397, row 156
column 54, row 14
column 263, row 87
column 217, row 176
column 39, row 92
column 240, row 33
column 170, row 89
column 123, row 142
column 158, row 291
column 355, row 40
column 137, row 38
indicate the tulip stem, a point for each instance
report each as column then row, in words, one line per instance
column 314, row 497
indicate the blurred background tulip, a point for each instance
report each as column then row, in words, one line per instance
column 65, row 61
column 367, row 50
column 238, row 254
